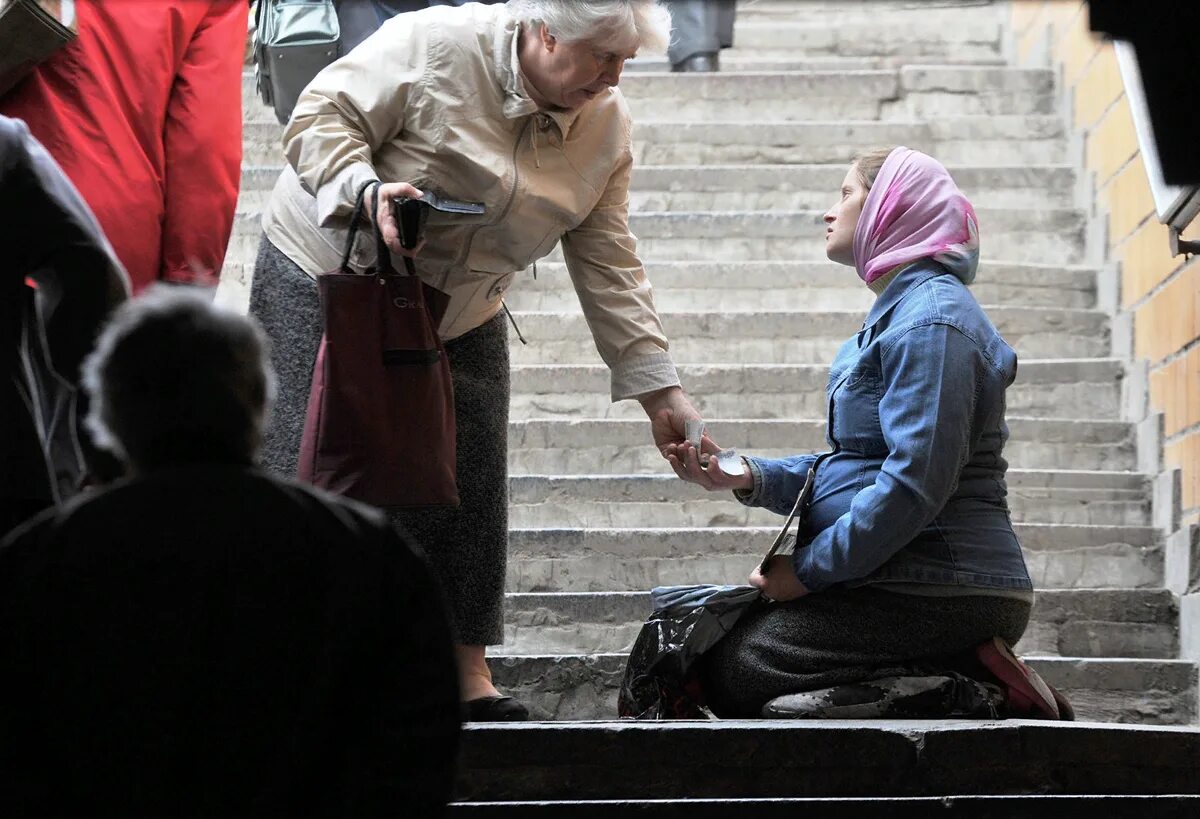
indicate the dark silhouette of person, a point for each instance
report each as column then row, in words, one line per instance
column 200, row 638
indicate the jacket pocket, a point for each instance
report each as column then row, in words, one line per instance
column 855, row 413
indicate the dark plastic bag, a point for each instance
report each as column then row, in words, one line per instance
column 660, row 680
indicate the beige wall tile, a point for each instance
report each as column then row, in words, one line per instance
column 1191, row 457
column 1025, row 14
column 1176, row 455
column 1146, row 261
column 1077, row 50
column 1158, row 389
column 1129, row 200
column 1112, row 142
column 1061, row 15
column 1192, row 386
column 1176, row 415
column 1097, row 88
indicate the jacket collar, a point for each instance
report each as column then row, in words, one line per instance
column 906, row 280
column 517, row 102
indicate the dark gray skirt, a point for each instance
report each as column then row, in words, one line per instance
column 845, row 636
column 467, row 546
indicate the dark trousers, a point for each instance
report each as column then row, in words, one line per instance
column 844, row 636
column 359, row 19
column 699, row 27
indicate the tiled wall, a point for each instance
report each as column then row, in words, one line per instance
column 1160, row 291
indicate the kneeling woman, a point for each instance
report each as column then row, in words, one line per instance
column 907, row 552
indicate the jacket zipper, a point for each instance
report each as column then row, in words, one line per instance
column 462, row 259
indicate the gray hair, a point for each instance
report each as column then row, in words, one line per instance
column 175, row 379
column 600, row 21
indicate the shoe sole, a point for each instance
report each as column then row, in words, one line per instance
column 1025, row 689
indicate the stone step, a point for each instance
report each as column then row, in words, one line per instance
column 777, row 337
column 1044, row 236
column 700, row 286
column 741, row 59
column 778, row 187
column 1138, row 623
column 594, row 560
column 910, row 92
column 1165, row 806
column 814, row 187
column 622, row 501
column 584, row 687
column 795, row 285
column 1068, row 388
column 1051, row 236
column 1015, row 141
column 911, row 34
column 615, row 446
column 665, row 761
column 891, row 11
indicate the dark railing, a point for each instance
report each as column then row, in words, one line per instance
column 1177, row 205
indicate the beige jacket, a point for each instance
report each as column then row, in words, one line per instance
column 436, row 98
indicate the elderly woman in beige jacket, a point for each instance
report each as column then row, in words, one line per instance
column 515, row 106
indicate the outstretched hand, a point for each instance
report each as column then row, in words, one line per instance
column 669, row 411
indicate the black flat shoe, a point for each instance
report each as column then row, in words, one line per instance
column 494, row 709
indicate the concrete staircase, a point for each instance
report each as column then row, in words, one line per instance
column 734, row 172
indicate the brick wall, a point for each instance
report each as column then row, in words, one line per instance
column 1160, row 292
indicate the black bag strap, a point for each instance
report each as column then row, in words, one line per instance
column 798, row 514
column 383, row 257
column 355, row 218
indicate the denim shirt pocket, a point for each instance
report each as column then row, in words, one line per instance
column 855, row 411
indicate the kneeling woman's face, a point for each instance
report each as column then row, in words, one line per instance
column 842, row 219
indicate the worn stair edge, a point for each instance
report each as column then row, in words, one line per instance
column 564, row 687
column 765, row 758
column 1050, row 605
column 532, row 488
column 1025, row 806
column 1093, row 623
column 651, row 541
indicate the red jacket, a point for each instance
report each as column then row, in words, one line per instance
column 143, row 112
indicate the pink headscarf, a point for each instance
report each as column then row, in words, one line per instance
column 915, row 211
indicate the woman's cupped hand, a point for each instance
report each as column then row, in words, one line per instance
column 698, row 465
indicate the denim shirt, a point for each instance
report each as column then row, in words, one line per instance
column 913, row 489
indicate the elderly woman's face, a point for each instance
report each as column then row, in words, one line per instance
column 568, row 75
column 842, row 219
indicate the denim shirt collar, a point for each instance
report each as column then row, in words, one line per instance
column 910, row 277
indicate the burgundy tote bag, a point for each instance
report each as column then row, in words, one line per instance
column 380, row 421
